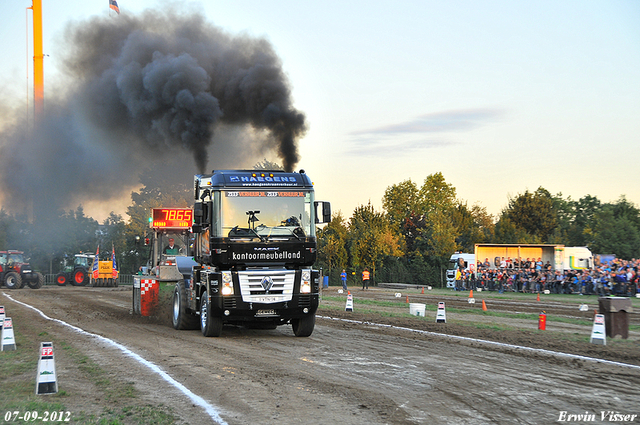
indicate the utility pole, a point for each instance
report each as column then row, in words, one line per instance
column 38, row 66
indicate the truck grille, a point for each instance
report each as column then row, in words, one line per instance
column 266, row 286
column 228, row 303
column 304, row 301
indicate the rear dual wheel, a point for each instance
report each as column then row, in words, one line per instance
column 180, row 317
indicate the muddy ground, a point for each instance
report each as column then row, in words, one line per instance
column 352, row 370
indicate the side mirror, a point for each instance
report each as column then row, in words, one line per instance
column 325, row 215
column 198, row 212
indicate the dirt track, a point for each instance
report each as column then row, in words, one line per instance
column 347, row 372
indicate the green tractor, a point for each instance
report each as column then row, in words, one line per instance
column 15, row 271
column 76, row 272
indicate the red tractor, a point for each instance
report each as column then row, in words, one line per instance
column 15, row 271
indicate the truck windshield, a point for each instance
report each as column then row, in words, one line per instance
column 267, row 214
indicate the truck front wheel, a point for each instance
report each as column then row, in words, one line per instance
column 209, row 325
column 303, row 326
column 180, row 318
column 13, row 280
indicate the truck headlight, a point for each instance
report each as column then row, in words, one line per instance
column 227, row 284
column 305, row 284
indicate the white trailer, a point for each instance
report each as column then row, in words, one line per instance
column 459, row 261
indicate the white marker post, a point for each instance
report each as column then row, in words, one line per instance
column 1, row 315
column 441, row 315
column 349, row 305
column 598, row 334
column 46, row 382
column 8, row 340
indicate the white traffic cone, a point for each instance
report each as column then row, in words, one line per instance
column 46, row 381
column 8, row 340
column 441, row 315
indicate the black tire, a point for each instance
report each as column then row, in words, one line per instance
column 180, row 318
column 62, row 278
column 37, row 282
column 13, row 280
column 304, row 326
column 79, row 278
column 209, row 325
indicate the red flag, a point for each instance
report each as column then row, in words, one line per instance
column 113, row 5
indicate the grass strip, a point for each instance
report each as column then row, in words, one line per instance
column 119, row 399
column 433, row 307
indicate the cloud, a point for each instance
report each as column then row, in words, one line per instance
column 438, row 122
column 393, row 147
column 423, row 132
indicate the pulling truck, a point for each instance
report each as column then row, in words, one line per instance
column 254, row 248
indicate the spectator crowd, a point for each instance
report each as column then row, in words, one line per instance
column 615, row 278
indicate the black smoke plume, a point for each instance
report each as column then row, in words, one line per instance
column 138, row 90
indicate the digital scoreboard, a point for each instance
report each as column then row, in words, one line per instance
column 171, row 218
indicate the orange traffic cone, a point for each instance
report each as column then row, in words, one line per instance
column 484, row 306
column 471, row 294
column 407, row 299
column 423, row 289
column 538, row 296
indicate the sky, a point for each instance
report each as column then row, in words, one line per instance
column 499, row 96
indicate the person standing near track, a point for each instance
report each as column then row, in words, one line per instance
column 365, row 279
column 343, row 277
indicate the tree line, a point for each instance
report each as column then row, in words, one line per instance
column 419, row 227
column 410, row 240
